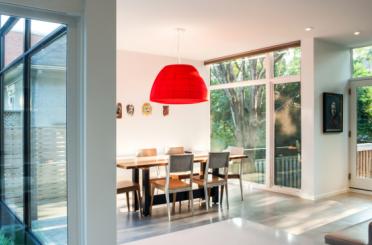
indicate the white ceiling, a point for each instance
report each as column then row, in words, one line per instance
column 216, row 28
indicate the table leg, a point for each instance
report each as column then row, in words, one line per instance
column 146, row 191
column 215, row 189
column 135, row 179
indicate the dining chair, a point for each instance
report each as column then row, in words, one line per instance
column 149, row 152
column 216, row 160
column 175, row 150
column 125, row 186
column 177, row 163
column 236, row 151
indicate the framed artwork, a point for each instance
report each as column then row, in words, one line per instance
column 165, row 110
column 130, row 109
column 146, row 109
column 332, row 113
column 119, row 111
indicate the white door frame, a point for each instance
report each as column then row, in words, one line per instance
column 355, row 182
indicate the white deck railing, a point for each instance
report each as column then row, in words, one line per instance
column 364, row 160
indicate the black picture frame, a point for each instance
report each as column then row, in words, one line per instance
column 333, row 113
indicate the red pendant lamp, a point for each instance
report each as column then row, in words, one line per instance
column 179, row 84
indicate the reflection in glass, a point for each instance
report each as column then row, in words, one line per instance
column 244, row 69
column 14, row 42
column 287, row 62
column 40, row 29
column 13, row 139
column 288, row 135
column 48, row 143
column 364, row 132
column 238, row 118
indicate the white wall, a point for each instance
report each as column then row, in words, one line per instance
column 186, row 125
column 307, row 118
column 332, row 71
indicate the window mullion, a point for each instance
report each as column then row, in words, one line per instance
column 26, row 129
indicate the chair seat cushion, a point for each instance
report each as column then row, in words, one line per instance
column 125, row 186
column 354, row 235
column 211, row 180
column 173, row 184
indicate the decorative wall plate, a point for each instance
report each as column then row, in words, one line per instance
column 146, row 109
column 130, row 109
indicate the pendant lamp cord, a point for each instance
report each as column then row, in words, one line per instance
column 179, row 32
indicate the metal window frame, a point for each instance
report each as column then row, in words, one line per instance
column 25, row 59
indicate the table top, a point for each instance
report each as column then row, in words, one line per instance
column 160, row 160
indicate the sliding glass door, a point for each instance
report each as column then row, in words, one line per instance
column 33, row 133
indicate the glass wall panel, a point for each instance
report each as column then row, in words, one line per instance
column 14, row 42
column 40, row 29
column 3, row 19
column 362, row 62
column 287, row 62
column 238, row 118
column 244, row 69
column 287, row 135
column 13, row 105
column 48, row 143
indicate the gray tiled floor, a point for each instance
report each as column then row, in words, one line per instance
column 309, row 219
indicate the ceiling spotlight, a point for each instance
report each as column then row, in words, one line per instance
column 309, row 28
column 357, row 33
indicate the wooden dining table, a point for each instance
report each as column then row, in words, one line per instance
column 145, row 163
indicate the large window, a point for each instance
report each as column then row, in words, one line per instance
column 243, row 92
column 362, row 62
column 33, row 133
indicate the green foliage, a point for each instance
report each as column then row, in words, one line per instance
column 362, row 62
column 287, row 62
column 364, row 114
column 4, row 240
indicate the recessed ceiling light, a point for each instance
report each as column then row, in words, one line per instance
column 309, row 28
column 357, row 33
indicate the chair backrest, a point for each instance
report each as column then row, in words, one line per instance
column 148, row 152
column 218, row 159
column 370, row 234
column 234, row 150
column 175, row 150
column 181, row 163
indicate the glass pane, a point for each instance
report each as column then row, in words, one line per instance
column 40, row 29
column 287, row 62
column 48, row 143
column 362, row 62
column 364, row 132
column 3, row 19
column 238, row 118
column 14, row 42
column 245, row 69
column 288, row 135
column 13, row 139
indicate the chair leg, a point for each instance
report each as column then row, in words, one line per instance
column 127, row 194
column 227, row 195
column 152, row 198
column 139, row 200
column 206, row 197
column 168, row 204
column 221, row 195
column 191, row 201
column 174, row 203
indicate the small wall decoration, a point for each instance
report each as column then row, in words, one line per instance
column 130, row 109
column 119, row 111
column 165, row 110
column 332, row 113
column 146, row 109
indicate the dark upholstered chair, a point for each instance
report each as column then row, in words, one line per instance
column 360, row 234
